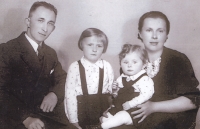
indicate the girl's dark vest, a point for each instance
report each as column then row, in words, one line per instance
column 126, row 93
column 91, row 106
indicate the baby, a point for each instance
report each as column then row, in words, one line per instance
column 132, row 88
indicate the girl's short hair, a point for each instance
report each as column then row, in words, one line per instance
column 129, row 48
column 43, row 4
column 94, row 32
column 153, row 14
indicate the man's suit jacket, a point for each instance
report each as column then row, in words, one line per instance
column 24, row 83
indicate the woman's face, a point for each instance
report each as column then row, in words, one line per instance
column 153, row 34
column 92, row 48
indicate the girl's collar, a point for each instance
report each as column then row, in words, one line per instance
column 133, row 77
column 98, row 63
column 152, row 68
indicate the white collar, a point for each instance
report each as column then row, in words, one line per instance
column 87, row 63
column 32, row 42
column 152, row 68
column 128, row 78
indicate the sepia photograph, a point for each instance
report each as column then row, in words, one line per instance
column 99, row 64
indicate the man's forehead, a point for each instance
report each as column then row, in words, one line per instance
column 44, row 13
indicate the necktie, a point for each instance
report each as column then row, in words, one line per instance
column 40, row 54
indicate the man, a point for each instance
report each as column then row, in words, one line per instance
column 31, row 77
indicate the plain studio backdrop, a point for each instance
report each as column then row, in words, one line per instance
column 117, row 18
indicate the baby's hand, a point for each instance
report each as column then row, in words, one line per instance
column 126, row 106
column 115, row 85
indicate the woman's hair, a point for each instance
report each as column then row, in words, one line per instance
column 43, row 4
column 153, row 14
column 94, row 32
column 129, row 48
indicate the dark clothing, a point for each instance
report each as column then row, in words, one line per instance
column 125, row 94
column 24, row 82
column 175, row 78
column 91, row 106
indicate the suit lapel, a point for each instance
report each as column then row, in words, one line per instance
column 28, row 54
column 48, row 57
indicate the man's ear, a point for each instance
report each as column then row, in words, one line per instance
column 139, row 35
column 27, row 20
column 54, row 28
column 166, row 39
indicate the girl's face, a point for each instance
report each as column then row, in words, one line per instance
column 92, row 48
column 153, row 34
column 131, row 64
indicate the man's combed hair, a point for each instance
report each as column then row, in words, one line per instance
column 43, row 4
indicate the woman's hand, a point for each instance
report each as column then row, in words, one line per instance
column 77, row 125
column 145, row 110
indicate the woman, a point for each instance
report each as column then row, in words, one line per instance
column 174, row 79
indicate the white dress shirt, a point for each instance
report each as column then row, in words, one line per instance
column 73, row 83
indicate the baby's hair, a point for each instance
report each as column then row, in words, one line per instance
column 94, row 32
column 43, row 4
column 129, row 48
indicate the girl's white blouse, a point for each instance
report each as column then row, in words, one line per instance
column 73, row 84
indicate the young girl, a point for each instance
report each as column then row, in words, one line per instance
column 88, row 80
column 134, row 87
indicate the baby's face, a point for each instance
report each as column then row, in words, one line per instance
column 131, row 64
column 92, row 48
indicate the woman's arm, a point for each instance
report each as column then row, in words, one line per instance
column 179, row 104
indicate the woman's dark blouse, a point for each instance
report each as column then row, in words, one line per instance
column 175, row 78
